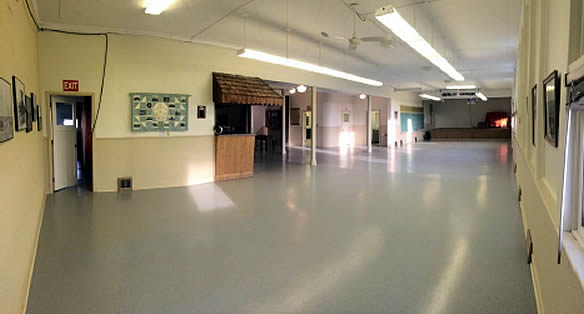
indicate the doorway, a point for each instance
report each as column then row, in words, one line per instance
column 72, row 141
column 287, row 122
column 375, row 127
column 307, row 128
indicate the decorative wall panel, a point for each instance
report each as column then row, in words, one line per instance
column 159, row 112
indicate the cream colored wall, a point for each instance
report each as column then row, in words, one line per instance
column 377, row 104
column 331, row 106
column 397, row 100
column 180, row 167
column 22, row 164
column 544, row 48
column 165, row 66
column 301, row 101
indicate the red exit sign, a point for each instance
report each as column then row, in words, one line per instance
column 70, row 85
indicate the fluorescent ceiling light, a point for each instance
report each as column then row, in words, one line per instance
column 389, row 17
column 266, row 57
column 155, row 7
column 481, row 96
column 362, row 96
column 292, row 91
column 430, row 97
column 461, row 87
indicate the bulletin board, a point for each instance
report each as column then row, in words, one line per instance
column 414, row 114
column 159, row 112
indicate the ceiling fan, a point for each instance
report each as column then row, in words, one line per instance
column 354, row 41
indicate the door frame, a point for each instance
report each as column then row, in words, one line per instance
column 379, row 138
column 51, row 133
column 304, row 128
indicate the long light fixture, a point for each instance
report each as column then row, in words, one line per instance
column 155, row 7
column 461, row 87
column 481, row 96
column 430, row 97
column 389, row 17
column 269, row 58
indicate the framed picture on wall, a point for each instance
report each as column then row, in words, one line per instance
column 19, row 106
column 29, row 113
column 6, row 124
column 294, row 116
column 533, row 112
column 551, row 93
column 33, row 103
column 346, row 117
column 39, row 120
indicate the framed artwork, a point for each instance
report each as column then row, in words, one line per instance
column 294, row 116
column 39, row 118
column 346, row 117
column 33, row 103
column 29, row 113
column 533, row 113
column 551, row 96
column 159, row 112
column 19, row 106
column 6, row 124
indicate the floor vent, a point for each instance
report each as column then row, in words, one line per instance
column 125, row 184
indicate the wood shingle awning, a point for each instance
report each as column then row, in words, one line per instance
column 245, row 90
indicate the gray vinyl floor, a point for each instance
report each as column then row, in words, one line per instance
column 431, row 228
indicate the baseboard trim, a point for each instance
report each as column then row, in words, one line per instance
column 536, row 288
column 156, row 187
column 34, row 251
column 532, row 266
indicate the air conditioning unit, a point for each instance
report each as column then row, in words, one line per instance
column 458, row 94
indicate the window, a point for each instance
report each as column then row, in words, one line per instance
column 574, row 211
column 64, row 114
column 576, row 43
column 580, row 191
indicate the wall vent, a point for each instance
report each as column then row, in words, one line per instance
column 125, row 184
column 520, row 195
column 529, row 245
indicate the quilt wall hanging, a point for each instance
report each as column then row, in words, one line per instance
column 159, row 112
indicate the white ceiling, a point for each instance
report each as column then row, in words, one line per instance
column 479, row 37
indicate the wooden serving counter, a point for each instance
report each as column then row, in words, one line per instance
column 234, row 156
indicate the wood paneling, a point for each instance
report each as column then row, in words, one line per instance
column 233, row 157
column 468, row 133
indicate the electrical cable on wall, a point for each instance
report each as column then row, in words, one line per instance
column 106, row 36
column 36, row 24
column 102, row 84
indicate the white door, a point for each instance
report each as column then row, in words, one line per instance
column 65, row 145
